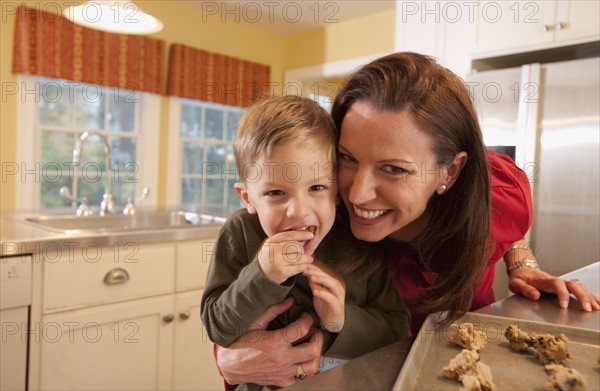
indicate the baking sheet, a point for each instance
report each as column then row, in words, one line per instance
column 433, row 350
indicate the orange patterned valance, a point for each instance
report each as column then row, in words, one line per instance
column 50, row 45
column 211, row 77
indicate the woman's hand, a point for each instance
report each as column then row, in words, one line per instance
column 329, row 295
column 268, row 357
column 529, row 282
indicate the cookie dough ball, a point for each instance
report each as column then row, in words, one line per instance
column 460, row 364
column 519, row 340
column 466, row 368
column 469, row 338
column 552, row 349
column 561, row 378
column 478, row 378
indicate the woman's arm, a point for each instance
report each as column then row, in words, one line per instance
column 268, row 357
column 526, row 278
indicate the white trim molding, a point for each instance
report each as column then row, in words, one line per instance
column 326, row 70
column 174, row 153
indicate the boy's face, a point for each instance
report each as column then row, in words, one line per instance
column 295, row 188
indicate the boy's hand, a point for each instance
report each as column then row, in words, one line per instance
column 282, row 255
column 329, row 295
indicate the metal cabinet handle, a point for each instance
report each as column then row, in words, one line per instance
column 547, row 27
column 168, row 318
column 560, row 26
column 116, row 276
column 184, row 315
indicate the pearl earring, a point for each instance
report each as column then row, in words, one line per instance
column 441, row 190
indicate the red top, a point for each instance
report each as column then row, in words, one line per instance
column 511, row 218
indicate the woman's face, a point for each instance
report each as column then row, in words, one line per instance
column 387, row 173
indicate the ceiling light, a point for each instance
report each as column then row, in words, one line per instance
column 113, row 16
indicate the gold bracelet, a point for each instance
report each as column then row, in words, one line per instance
column 527, row 262
column 517, row 246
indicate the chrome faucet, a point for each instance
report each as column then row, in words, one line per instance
column 107, row 205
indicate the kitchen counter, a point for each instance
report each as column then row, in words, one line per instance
column 378, row 370
column 18, row 236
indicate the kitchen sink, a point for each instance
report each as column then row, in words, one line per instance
column 115, row 223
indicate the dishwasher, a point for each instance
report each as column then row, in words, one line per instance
column 15, row 301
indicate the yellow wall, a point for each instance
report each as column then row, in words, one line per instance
column 8, row 110
column 190, row 26
column 358, row 37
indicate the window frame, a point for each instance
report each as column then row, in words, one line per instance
column 28, row 152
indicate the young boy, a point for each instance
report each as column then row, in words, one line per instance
column 285, row 150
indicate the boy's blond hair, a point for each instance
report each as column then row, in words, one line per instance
column 284, row 119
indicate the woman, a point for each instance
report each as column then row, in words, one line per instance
column 415, row 178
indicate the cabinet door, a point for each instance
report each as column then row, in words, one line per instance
column 577, row 20
column 193, row 259
column 514, row 25
column 194, row 365
column 125, row 346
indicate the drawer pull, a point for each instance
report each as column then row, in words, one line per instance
column 184, row 315
column 168, row 318
column 116, row 276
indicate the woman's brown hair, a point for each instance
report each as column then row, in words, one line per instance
column 455, row 243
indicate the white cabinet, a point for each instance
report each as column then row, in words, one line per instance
column 505, row 27
column 126, row 346
column 577, row 20
column 444, row 30
column 123, row 322
column 194, row 365
column 457, row 32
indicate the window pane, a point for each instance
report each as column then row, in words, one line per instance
column 214, row 124
column 57, row 148
column 233, row 117
column 51, row 183
column 230, row 169
column 233, row 201
column 215, row 190
column 191, row 193
column 124, row 154
column 89, row 107
column 215, row 153
column 122, row 189
column 192, row 158
column 91, row 186
column 190, row 121
column 54, row 106
column 92, row 154
column 121, row 110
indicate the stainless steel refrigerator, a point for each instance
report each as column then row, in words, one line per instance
column 548, row 117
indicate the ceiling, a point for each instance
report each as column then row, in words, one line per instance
column 288, row 17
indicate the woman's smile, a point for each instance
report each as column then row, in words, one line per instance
column 384, row 175
column 369, row 214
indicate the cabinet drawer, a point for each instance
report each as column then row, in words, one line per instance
column 193, row 259
column 93, row 275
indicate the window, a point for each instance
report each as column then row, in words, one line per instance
column 203, row 156
column 63, row 110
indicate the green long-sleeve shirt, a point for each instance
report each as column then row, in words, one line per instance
column 237, row 293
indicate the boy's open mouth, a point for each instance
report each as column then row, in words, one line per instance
column 310, row 228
